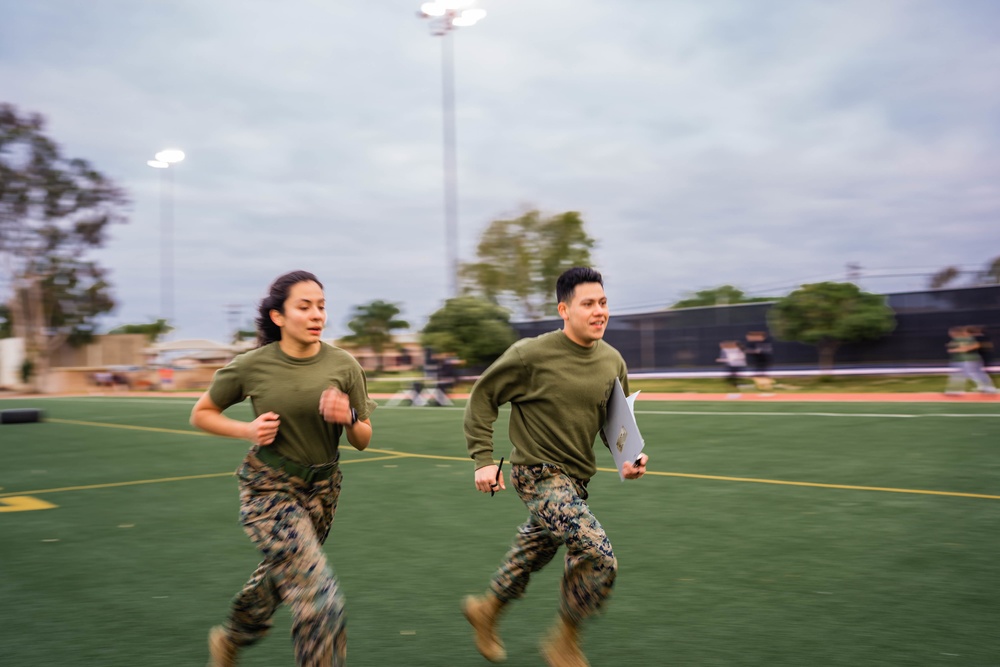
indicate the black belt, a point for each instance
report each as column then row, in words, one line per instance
column 303, row 472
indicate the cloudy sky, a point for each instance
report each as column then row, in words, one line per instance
column 759, row 143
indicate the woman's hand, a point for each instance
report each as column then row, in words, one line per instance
column 263, row 430
column 335, row 406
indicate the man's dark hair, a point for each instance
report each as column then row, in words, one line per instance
column 570, row 278
column 277, row 293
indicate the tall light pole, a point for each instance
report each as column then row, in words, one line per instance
column 163, row 161
column 445, row 16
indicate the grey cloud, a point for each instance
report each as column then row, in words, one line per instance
column 760, row 144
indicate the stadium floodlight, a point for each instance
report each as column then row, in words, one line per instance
column 170, row 155
column 446, row 16
column 164, row 160
column 433, row 9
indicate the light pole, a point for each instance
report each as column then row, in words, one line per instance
column 163, row 161
column 445, row 16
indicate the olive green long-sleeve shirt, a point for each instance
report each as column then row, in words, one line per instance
column 558, row 392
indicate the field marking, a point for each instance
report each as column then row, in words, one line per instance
column 130, row 427
column 396, row 455
column 433, row 457
column 849, row 487
column 885, row 415
column 111, row 485
column 399, row 455
column 22, row 503
column 161, row 480
column 821, row 485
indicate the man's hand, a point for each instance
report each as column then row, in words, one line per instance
column 264, row 429
column 637, row 469
column 487, row 480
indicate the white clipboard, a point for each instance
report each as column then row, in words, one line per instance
column 620, row 429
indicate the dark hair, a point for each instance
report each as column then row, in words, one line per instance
column 570, row 278
column 277, row 293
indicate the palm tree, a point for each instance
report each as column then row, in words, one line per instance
column 153, row 330
column 372, row 326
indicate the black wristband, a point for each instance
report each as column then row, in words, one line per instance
column 354, row 416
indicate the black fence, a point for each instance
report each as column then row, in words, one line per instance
column 688, row 339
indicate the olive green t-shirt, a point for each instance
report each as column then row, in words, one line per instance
column 558, row 392
column 963, row 342
column 291, row 388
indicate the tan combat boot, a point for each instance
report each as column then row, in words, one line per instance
column 221, row 649
column 482, row 613
column 562, row 647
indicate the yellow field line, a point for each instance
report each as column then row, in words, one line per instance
column 849, row 487
column 109, row 485
column 408, row 455
column 396, row 455
column 820, row 485
column 129, row 427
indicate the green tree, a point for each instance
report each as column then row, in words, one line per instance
column 241, row 335
column 829, row 314
column 53, row 210
column 372, row 325
column 719, row 296
column 473, row 329
column 152, row 331
column 519, row 261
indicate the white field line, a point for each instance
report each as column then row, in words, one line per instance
column 874, row 415
column 695, row 413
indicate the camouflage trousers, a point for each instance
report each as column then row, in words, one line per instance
column 558, row 515
column 288, row 520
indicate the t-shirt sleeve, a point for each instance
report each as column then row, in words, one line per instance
column 358, row 393
column 227, row 385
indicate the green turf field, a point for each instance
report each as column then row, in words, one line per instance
column 765, row 534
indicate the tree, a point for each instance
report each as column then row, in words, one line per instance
column 473, row 329
column 829, row 314
column 718, row 296
column 241, row 335
column 53, row 210
column 6, row 325
column 373, row 325
column 152, row 331
column 519, row 261
column 943, row 277
column 991, row 275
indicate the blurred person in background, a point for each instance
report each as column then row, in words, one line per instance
column 966, row 363
column 732, row 355
column 758, row 353
column 305, row 395
column 984, row 344
column 558, row 385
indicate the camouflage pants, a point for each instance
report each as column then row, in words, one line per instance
column 558, row 515
column 288, row 521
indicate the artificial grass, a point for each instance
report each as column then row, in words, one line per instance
column 712, row 571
